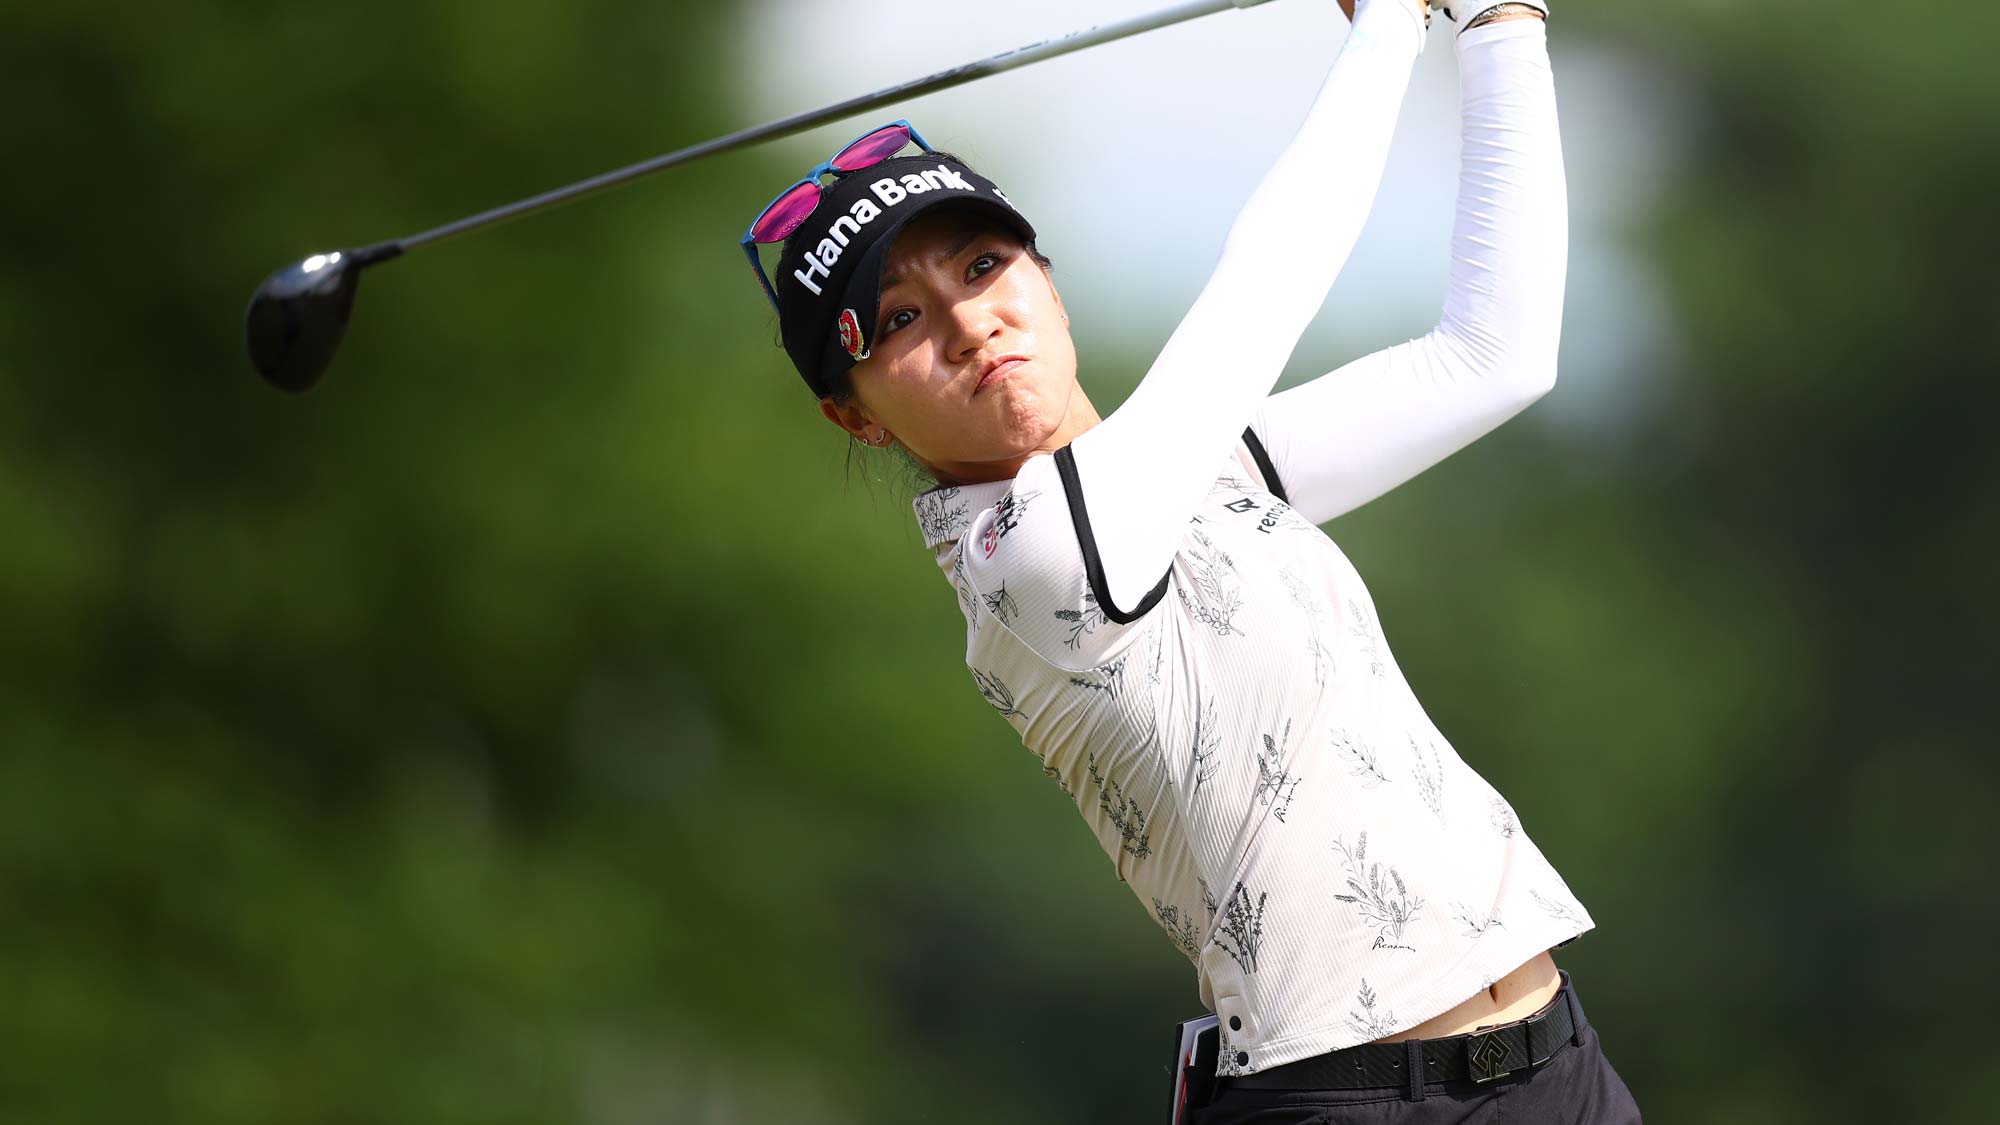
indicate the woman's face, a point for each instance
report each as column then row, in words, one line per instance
column 958, row 294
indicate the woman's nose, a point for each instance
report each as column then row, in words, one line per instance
column 974, row 322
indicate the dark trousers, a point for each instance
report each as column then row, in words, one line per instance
column 1574, row 1087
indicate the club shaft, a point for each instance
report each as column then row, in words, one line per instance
column 799, row 123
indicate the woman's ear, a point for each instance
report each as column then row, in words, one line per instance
column 849, row 418
column 855, row 420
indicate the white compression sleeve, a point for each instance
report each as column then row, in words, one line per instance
column 1144, row 470
column 1352, row 435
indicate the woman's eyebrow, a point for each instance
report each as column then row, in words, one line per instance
column 953, row 251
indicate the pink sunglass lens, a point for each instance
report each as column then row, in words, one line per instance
column 783, row 217
column 871, row 149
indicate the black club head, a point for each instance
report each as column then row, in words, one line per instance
column 297, row 317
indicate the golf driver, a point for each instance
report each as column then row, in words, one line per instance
column 299, row 314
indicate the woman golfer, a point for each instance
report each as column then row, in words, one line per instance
column 1151, row 604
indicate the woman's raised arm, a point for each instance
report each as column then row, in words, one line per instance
column 1349, row 436
column 1143, row 471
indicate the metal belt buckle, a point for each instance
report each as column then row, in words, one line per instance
column 1483, row 1055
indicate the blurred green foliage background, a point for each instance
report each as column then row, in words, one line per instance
column 530, row 726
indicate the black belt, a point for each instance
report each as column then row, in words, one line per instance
column 1481, row 1056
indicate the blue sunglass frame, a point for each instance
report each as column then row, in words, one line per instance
column 749, row 240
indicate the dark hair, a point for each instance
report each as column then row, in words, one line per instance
column 841, row 385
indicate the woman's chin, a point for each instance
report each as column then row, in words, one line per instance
column 1027, row 414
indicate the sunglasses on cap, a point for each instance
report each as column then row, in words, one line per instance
column 795, row 204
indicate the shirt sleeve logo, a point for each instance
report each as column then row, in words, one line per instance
column 1006, row 517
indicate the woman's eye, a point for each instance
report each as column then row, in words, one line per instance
column 982, row 265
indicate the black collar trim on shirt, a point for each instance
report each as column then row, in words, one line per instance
column 1093, row 566
column 1272, row 484
column 943, row 514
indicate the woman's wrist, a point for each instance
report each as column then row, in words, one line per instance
column 1501, row 12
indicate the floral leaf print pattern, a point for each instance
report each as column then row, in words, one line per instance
column 1056, row 776
column 1368, row 1022
column 1180, row 926
column 941, row 514
column 1109, row 678
column 1082, row 622
column 1503, row 817
column 1273, row 783
column 958, row 585
column 1207, row 740
column 1123, row 812
column 1362, row 756
column 1216, row 597
column 996, row 692
column 1366, row 632
column 1389, row 914
column 1560, row 911
column 1310, row 607
column 1156, row 648
column 1242, row 929
column 1430, row 775
column 1207, row 897
column 1001, row 605
column 1475, row 925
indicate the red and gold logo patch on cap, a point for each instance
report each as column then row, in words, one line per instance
column 850, row 335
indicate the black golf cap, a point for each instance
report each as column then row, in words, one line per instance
column 829, row 279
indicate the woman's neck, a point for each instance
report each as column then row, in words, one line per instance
column 1080, row 416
